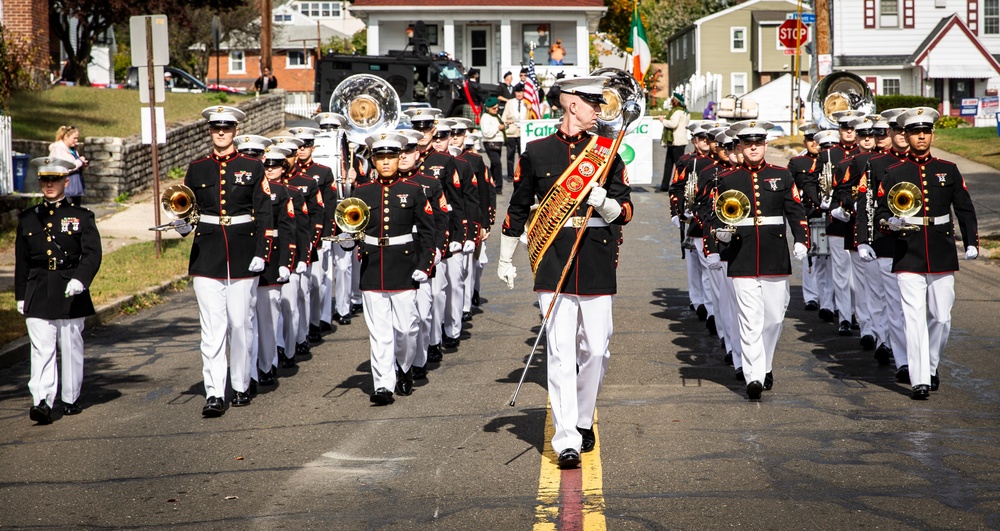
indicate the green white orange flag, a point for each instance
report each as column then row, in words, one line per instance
column 640, row 47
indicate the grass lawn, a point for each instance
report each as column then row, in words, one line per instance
column 980, row 144
column 126, row 271
column 97, row 111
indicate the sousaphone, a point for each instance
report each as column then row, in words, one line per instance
column 369, row 103
column 622, row 92
column 840, row 91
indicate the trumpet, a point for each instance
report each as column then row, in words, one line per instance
column 904, row 201
column 352, row 216
column 179, row 204
column 732, row 207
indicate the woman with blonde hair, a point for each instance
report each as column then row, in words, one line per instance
column 65, row 147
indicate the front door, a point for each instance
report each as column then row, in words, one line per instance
column 479, row 52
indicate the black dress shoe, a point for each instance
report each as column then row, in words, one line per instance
column 450, row 342
column 854, row 323
column 903, row 374
column 935, row 383
column 768, row 381
column 867, row 342
column 325, row 326
column 589, row 439
column 826, row 315
column 710, row 325
column 75, row 409
column 404, row 382
column 812, row 306
column 883, row 354
column 728, row 358
column 845, row 328
column 702, row 312
column 434, row 353
column 344, row 319
column 921, row 392
column 569, row 458
column 754, row 389
column 357, row 308
column 313, row 335
column 266, row 378
column 466, row 317
column 738, row 375
column 690, row 306
column 241, row 399
column 381, row 397
column 281, row 352
column 419, row 373
column 41, row 413
column 302, row 349
column 288, row 363
column 252, row 389
column 214, row 407
column 475, row 297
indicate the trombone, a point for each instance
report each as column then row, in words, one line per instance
column 179, row 204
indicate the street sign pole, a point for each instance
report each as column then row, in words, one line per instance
column 155, row 145
column 797, row 78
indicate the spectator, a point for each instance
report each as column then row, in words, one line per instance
column 674, row 137
column 65, row 147
column 709, row 112
column 556, row 53
column 506, row 92
column 168, row 81
column 515, row 113
column 265, row 82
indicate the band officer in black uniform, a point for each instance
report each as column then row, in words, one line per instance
column 57, row 251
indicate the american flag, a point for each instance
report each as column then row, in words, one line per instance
column 531, row 90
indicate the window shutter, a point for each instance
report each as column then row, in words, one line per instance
column 869, row 13
column 908, row 18
column 972, row 18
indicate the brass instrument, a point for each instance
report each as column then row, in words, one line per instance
column 826, row 181
column 369, row 103
column 840, row 91
column 869, row 203
column 179, row 204
column 732, row 207
column 352, row 216
column 624, row 96
column 904, row 201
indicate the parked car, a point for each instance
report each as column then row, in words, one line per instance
column 180, row 81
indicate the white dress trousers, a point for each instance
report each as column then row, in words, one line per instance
column 326, row 313
column 317, row 285
column 305, row 304
column 824, row 282
column 48, row 336
column 440, row 302
column 290, row 314
column 424, row 300
column 863, row 273
column 842, row 276
column 392, row 331
column 761, row 304
column 224, row 308
column 469, row 281
column 480, row 265
column 727, row 301
column 268, row 313
column 696, row 287
column 343, row 268
column 810, row 281
column 454, row 272
column 927, row 301
column 892, row 301
column 577, row 336
column 709, row 297
column 355, row 279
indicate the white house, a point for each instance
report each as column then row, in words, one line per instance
column 494, row 36
column 331, row 14
column 939, row 48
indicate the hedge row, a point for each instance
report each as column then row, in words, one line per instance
column 896, row 101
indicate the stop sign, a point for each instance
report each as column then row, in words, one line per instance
column 793, row 33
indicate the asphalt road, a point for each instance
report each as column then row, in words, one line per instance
column 836, row 444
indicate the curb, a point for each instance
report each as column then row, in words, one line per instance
column 20, row 349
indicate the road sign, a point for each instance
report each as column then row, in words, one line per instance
column 793, row 33
column 807, row 18
column 144, row 84
column 137, row 34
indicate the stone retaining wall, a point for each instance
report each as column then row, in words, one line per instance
column 124, row 165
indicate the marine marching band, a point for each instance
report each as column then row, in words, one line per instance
column 297, row 233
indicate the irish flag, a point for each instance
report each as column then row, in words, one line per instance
column 640, row 46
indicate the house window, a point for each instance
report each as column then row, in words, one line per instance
column 737, row 39
column 533, row 35
column 888, row 14
column 991, row 17
column 236, row 63
column 738, row 80
column 890, row 86
column 684, row 48
column 297, row 59
column 282, row 18
column 319, row 9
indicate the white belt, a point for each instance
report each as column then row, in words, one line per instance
column 576, row 222
column 925, row 221
column 761, row 220
column 385, row 241
column 226, row 220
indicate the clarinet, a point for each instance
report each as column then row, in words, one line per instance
column 869, row 203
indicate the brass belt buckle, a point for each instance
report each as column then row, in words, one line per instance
column 758, row 220
column 926, row 221
column 383, row 241
column 577, row 222
column 53, row 265
column 225, row 221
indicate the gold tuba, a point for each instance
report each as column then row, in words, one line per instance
column 625, row 105
column 732, row 207
column 179, row 204
column 840, row 91
column 352, row 217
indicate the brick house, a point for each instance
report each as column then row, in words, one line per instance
column 29, row 19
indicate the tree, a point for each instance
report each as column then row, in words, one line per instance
column 79, row 24
column 660, row 18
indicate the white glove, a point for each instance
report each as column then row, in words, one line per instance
column 866, row 253
column 895, row 223
column 800, row 251
column 597, row 195
column 714, row 261
column 505, row 269
column 283, row 274
column 326, row 245
column 688, row 214
column 455, row 247
column 419, row 276
column 301, row 267
column 437, row 256
column 347, row 245
column 20, row 307
column 73, row 288
column 257, row 264
column 723, row 236
column 608, row 209
column 468, row 246
column 840, row 214
column 825, row 204
column 971, row 253
column 676, row 221
column 183, row 227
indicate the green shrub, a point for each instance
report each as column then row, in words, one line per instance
column 218, row 97
column 899, row 100
column 176, row 173
column 950, row 122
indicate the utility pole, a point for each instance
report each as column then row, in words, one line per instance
column 822, row 41
column 266, row 19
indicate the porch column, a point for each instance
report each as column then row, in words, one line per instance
column 582, row 44
column 946, row 98
column 505, row 45
column 373, row 48
column 449, row 38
